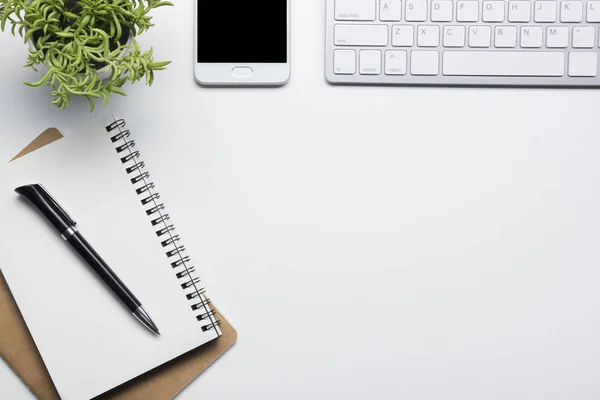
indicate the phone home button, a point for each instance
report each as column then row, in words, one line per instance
column 242, row 72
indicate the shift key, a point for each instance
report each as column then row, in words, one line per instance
column 360, row 35
column 355, row 10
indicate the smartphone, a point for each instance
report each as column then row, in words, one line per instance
column 242, row 42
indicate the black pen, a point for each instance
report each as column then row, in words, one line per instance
column 39, row 197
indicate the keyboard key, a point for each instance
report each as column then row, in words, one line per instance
column 519, row 11
column 416, row 10
column 593, row 11
column 480, row 36
column 361, row 35
column 441, row 11
column 493, row 11
column 531, row 36
column 467, row 11
column 505, row 36
column 402, row 35
column 503, row 63
column 424, row 63
column 395, row 62
column 428, row 35
column 571, row 11
column 390, row 10
column 344, row 62
column 370, row 62
column 544, row 11
column 583, row 63
column 557, row 37
column 584, row 37
column 454, row 36
column 355, row 10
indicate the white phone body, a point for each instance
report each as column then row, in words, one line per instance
column 240, row 73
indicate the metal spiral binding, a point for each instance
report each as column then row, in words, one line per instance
column 180, row 262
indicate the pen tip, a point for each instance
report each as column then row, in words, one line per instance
column 145, row 319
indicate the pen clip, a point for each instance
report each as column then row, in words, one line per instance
column 57, row 207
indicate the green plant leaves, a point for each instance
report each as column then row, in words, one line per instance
column 74, row 40
column 157, row 66
column 41, row 81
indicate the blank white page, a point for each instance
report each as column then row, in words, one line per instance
column 88, row 340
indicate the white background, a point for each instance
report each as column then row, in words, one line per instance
column 367, row 242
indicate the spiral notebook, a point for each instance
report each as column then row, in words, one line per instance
column 89, row 343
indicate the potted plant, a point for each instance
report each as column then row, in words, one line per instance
column 84, row 47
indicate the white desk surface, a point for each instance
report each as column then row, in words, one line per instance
column 368, row 242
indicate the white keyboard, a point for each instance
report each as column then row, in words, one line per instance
column 463, row 42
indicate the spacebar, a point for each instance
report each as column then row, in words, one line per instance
column 503, row 63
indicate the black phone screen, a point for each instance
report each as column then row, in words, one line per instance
column 242, row 31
